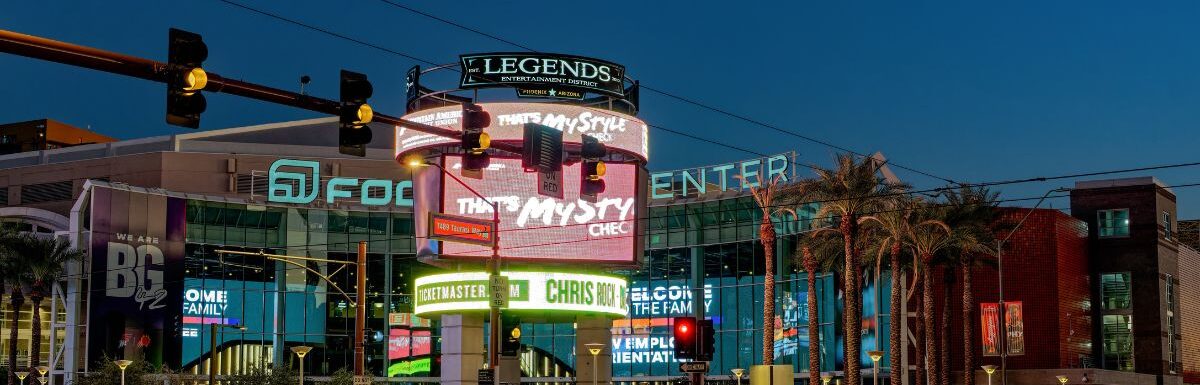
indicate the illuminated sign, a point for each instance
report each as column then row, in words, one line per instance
column 666, row 301
column 444, row 227
column 615, row 130
column 559, row 292
column 409, row 367
column 542, row 71
column 638, row 349
column 201, row 306
column 720, row 178
column 250, row 304
column 302, row 185
column 583, row 230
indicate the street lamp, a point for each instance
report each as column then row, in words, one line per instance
column 825, row 378
column 875, row 356
column 212, row 347
column 738, row 372
column 493, row 266
column 595, row 349
column 989, row 369
column 122, row 364
column 42, row 370
column 1000, row 283
column 21, row 376
column 300, row 352
column 1062, row 379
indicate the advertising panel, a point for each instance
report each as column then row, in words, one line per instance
column 530, row 71
column 136, row 251
column 251, row 304
column 1014, row 326
column 537, row 227
column 615, row 130
column 559, row 292
column 989, row 315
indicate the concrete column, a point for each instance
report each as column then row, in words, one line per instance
column 593, row 329
column 462, row 349
column 510, row 370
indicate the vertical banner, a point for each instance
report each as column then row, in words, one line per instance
column 989, row 314
column 136, row 251
column 1014, row 326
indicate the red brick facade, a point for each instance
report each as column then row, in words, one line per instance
column 1189, row 306
column 1046, row 269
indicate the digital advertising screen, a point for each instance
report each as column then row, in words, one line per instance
column 539, row 227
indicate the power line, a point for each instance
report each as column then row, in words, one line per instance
column 676, row 96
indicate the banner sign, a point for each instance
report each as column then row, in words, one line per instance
column 136, row 250
column 989, row 315
column 605, row 230
column 615, row 130
column 558, row 292
column 1014, row 326
column 541, row 71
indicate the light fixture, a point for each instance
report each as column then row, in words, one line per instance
column 1062, row 379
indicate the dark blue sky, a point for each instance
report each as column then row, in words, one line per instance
column 966, row 90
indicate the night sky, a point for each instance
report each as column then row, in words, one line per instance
column 968, row 91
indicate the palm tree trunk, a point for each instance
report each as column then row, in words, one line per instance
column 814, row 334
column 35, row 333
column 16, row 299
column 931, row 353
column 767, row 236
column 968, row 308
column 897, row 370
column 944, row 330
column 853, row 298
column 919, row 305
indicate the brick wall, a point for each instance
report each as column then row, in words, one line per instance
column 1189, row 307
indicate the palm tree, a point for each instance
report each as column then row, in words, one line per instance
column 17, row 277
column 893, row 225
column 973, row 216
column 48, row 259
column 818, row 254
column 850, row 190
column 765, row 196
column 929, row 236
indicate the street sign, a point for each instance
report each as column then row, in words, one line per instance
column 362, row 380
column 487, row 377
column 498, row 287
column 550, row 184
column 694, row 367
column 542, row 148
column 453, row 228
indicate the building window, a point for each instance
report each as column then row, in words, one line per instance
column 1118, row 342
column 1114, row 291
column 1113, row 223
column 1166, row 222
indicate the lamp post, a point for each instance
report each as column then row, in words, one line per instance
column 1063, row 379
column 122, row 364
column 595, row 349
column 825, row 378
column 21, row 376
column 301, row 351
column 212, row 349
column 875, row 356
column 989, row 369
column 42, row 370
column 738, row 372
column 493, row 264
column 1000, row 285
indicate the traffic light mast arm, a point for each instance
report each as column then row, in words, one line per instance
column 112, row 62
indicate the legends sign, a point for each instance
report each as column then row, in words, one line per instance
column 537, row 72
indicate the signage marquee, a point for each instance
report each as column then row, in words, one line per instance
column 720, row 178
column 601, row 230
column 542, row 72
column 557, row 292
column 615, row 130
column 302, row 185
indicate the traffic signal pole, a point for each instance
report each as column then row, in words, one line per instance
column 106, row 61
column 360, row 312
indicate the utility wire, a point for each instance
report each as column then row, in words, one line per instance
column 675, row 96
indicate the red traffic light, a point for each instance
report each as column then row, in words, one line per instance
column 685, row 337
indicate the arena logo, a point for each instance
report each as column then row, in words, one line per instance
column 304, row 186
column 720, row 178
column 130, row 275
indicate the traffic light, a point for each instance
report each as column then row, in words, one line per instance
column 593, row 171
column 510, row 343
column 475, row 142
column 186, row 52
column 685, row 337
column 355, row 113
column 706, row 340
